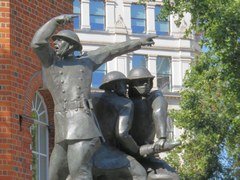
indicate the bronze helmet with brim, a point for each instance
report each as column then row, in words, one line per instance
column 137, row 79
column 140, row 73
column 112, row 77
column 68, row 36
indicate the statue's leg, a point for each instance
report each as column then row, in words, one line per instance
column 136, row 169
column 79, row 157
column 58, row 163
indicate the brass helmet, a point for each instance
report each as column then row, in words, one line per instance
column 112, row 77
column 140, row 73
column 68, row 35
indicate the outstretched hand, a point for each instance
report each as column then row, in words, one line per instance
column 148, row 41
column 65, row 18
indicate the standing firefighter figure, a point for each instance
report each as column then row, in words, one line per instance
column 68, row 78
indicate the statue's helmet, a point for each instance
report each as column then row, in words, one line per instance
column 68, row 35
column 112, row 77
column 140, row 73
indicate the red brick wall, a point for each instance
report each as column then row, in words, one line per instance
column 19, row 20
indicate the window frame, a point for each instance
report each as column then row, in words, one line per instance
column 134, row 18
column 38, row 123
column 164, row 75
column 96, row 15
column 161, row 21
column 145, row 57
column 78, row 14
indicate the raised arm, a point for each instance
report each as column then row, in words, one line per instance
column 40, row 41
column 107, row 53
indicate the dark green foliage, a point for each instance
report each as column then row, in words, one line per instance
column 210, row 102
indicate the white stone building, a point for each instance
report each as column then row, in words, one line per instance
column 111, row 21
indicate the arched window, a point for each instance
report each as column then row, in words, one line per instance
column 39, row 132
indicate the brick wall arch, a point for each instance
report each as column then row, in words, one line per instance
column 35, row 84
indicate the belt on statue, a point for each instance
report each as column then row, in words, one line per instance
column 84, row 103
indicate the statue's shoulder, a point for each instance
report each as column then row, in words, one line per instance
column 154, row 94
column 82, row 56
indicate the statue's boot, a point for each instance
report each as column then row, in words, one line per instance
column 169, row 145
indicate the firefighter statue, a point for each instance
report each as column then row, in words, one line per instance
column 68, row 78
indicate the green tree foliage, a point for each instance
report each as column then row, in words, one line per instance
column 210, row 101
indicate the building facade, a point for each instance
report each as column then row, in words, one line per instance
column 26, row 108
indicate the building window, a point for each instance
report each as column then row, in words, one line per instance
column 164, row 73
column 97, row 14
column 98, row 76
column 161, row 26
column 138, row 18
column 139, row 61
column 39, row 132
column 77, row 11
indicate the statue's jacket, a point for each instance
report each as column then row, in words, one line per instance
column 148, row 114
column 69, row 82
column 109, row 108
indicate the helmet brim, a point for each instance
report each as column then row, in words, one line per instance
column 104, row 85
column 136, row 78
column 56, row 36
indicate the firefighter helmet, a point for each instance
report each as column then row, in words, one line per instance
column 68, row 35
column 112, row 77
column 140, row 73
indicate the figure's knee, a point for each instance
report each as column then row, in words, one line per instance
column 58, row 168
column 80, row 158
column 136, row 169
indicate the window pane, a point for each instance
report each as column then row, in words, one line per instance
column 95, row 26
column 97, row 15
column 162, row 27
column 76, row 22
column 97, row 78
column 138, row 11
column 41, row 108
column 138, row 61
column 164, row 73
column 138, row 18
column 137, row 22
column 35, row 167
column 163, row 65
column 43, row 167
column 76, row 6
column 34, row 133
column 157, row 10
column 43, row 139
column 97, row 20
column 43, row 117
column 97, row 8
column 37, row 102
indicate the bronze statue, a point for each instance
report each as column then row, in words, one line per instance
column 115, row 115
column 114, row 112
column 150, row 119
column 68, row 78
